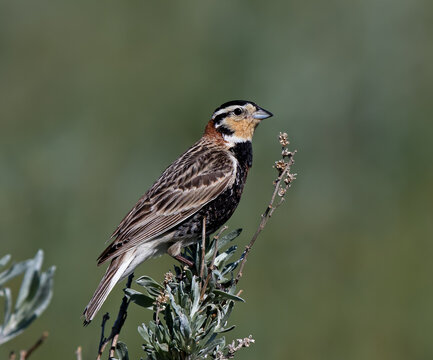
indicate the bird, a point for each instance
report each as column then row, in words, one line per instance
column 203, row 186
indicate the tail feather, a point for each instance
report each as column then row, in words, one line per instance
column 115, row 272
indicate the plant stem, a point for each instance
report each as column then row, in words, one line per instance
column 25, row 354
column 264, row 217
column 211, row 267
column 117, row 327
column 203, row 248
column 78, row 353
column 103, row 341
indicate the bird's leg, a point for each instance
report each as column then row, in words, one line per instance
column 183, row 260
column 174, row 251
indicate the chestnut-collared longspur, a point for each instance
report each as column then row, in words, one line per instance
column 206, row 182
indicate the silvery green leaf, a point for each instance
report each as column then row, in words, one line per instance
column 231, row 250
column 142, row 330
column 227, row 312
column 33, row 306
column 198, row 323
column 4, row 260
column 224, row 330
column 222, row 258
column 210, row 347
column 195, row 295
column 34, row 296
column 160, row 334
column 185, row 302
column 210, row 252
column 210, row 333
column 164, row 347
column 176, row 307
column 227, row 295
column 231, row 267
column 217, row 276
column 6, row 292
column 221, row 243
column 185, row 328
column 152, row 328
column 197, row 258
column 14, row 270
column 227, row 238
column 30, row 281
column 122, row 351
column 139, row 298
column 182, row 290
column 152, row 287
column 147, row 281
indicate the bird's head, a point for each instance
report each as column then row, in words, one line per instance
column 236, row 120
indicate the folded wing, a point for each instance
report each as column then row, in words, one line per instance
column 192, row 181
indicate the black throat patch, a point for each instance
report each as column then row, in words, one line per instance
column 243, row 152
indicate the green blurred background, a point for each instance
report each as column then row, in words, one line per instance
column 97, row 98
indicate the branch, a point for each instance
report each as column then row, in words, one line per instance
column 103, row 341
column 25, row 354
column 78, row 353
column 285, row 176
column 211, row 267
column 117, row 327
column 203, row 248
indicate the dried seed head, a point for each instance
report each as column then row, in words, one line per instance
column 248, row 341
column 280, row 165
column 233, row 347
column 168, row 277
column 283, row 139
column 286, row 153
column 162, row 299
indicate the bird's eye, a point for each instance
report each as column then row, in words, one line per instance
column 237, row 111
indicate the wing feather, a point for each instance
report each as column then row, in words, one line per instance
column 196, row 178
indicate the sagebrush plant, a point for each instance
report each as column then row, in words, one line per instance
column 192, row 306
column 33, row 297
column 191, row 311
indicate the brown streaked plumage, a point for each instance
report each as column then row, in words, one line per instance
column 206, row 181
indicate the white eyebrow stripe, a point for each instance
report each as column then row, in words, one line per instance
column 221, row 111
column 226, row 110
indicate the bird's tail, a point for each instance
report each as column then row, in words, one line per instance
column 115, row 272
